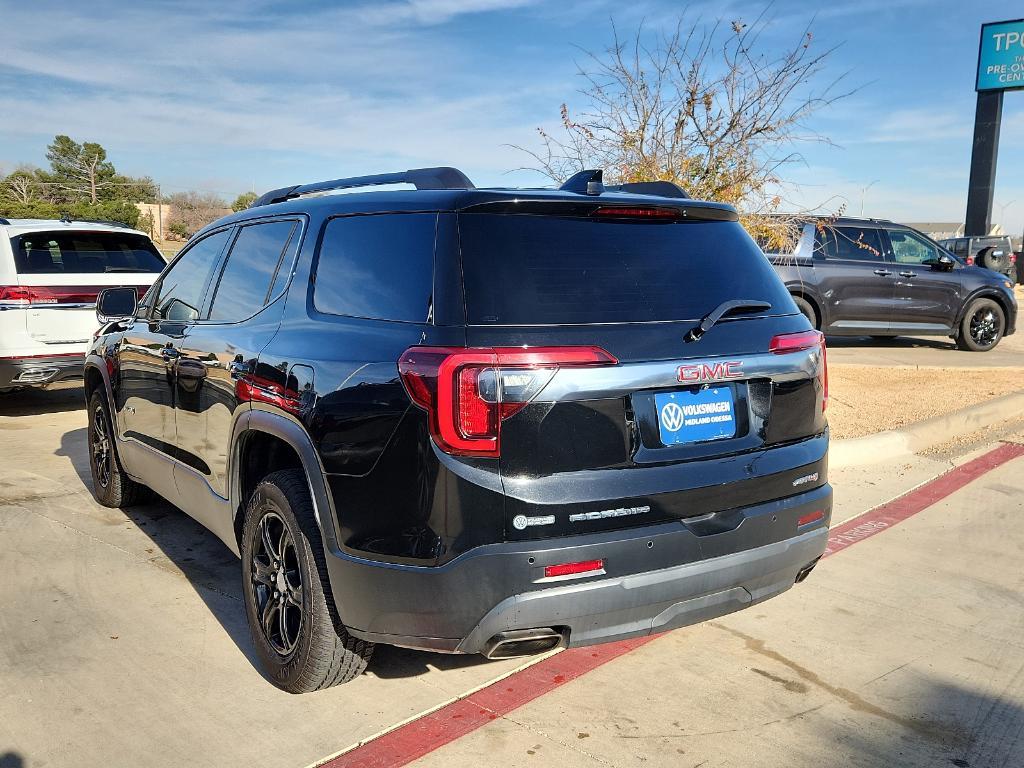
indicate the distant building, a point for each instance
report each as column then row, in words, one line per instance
column 160, row 216
column 941, row 230
column 938, row 230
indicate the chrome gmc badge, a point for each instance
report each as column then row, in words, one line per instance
column 693, row 374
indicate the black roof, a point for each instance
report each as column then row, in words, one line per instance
column 448, row 189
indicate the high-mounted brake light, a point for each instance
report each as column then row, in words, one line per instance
column 797, row 342
column 618, row 212
column 468, row 392
column 569, row 569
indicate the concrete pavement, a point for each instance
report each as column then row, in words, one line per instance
column 123, row 641
column 905, row 649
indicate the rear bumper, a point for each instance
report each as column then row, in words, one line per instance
column 40, row 370
column 656, row 578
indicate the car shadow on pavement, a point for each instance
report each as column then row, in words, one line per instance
column 34, row 401
column 182, row 544
column 890, row 342
column 951, row 725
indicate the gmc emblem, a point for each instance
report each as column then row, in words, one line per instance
column 711, row 372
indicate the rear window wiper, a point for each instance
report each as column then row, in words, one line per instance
column 723, row 309
column 125, row 269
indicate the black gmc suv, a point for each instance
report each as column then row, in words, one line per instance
column 471, row 420
column 858, row 277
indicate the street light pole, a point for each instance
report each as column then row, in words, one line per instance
column 863, row 192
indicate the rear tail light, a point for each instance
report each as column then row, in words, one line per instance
column 969, row 261
column 467, row 393
column 797, row 342
column 43, row 296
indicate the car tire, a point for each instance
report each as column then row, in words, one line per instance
column 110, row 485
column 300, row 640
column 807, row 310
column 982, row 326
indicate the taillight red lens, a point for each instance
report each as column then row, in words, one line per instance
column 970, row 261
column 797, row 342
column 617, row 212
column 43, row 295
column 467, row 393
column 567, row 569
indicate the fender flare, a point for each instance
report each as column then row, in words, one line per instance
column 981, row 293
column 295, row 436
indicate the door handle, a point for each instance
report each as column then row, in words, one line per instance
column 883, row 272
column 906, row 274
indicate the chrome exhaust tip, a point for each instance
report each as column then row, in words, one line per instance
column 522, row 642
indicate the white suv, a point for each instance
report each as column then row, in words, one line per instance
column 50, row 274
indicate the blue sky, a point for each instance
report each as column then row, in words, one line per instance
column 200, row 95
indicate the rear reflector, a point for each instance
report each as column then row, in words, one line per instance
column 568, row 569
column 810, row 517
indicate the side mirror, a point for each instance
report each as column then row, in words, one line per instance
column 944, row 263
column 115, row 305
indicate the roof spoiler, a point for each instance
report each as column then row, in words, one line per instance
column 442, row 177
column 591, row 182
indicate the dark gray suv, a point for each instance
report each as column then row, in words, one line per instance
column 860, row 277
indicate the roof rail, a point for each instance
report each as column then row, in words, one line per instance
column 422, row 178
column 591, row 182
column 66, row 219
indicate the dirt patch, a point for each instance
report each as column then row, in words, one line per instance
column 864, row 399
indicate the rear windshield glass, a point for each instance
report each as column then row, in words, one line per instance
column 41, row 253
column 551, row 270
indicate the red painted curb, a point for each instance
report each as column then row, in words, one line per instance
column 444, row 725
column 876, row 520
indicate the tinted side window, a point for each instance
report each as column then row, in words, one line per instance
column 908, row 248
column 853, row 243
column 254, row 262
column 181, row 289
column 379, row 266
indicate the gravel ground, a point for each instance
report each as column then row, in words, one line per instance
column 865, row 399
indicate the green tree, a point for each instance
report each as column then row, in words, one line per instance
column 78, row 171
column 243, row 201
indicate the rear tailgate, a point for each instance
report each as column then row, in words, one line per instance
column 671, row 429
column 61, row 272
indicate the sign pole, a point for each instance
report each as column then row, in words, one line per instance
column 981, row 187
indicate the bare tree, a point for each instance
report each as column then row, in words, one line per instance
column 22, row 185
column 193, row 210
column 702, row 107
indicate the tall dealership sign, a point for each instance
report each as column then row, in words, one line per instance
column 1000, row 68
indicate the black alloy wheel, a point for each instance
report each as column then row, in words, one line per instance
column 276, row 584
column 982, row 327
column 985, row 327
column 102, row 455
